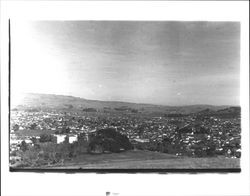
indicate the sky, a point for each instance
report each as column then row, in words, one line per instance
column 165, row 62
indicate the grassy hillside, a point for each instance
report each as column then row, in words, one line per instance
column 69, row 102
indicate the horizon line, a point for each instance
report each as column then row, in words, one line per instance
column 140, row 103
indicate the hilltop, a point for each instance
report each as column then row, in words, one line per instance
column 45, row 101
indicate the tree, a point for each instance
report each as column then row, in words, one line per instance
column 34, row 140
column 109, row 140
column 46, row 138
column 33, row 126
column 23, row 146
column 167, row 147
column 65, row 129
column 211, row 147
column 122, row 140
column 89, row 110
column 95, row 145
column 134, row 111
column 16, row 127
column 153, row 146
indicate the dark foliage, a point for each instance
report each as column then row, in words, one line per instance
column 33, row 126
column 109, row 140
column 15, row 127
column 46, row 138
column 175, row 115
column 23, row 146
column 89, row 110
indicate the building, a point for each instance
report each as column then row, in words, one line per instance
column 72, row 138
column 60, row 138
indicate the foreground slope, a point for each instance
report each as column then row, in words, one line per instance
column 147, row 160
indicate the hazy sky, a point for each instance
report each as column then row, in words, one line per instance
column 170, row 63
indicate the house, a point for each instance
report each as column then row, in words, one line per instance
column 60, row 138
column 72, row 138
column 28, row 141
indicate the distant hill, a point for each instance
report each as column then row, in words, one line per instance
column 222, row 113
column 230, row 110
column 43, row 101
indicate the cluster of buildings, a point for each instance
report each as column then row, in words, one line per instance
column 213, row 135
column 188, row 131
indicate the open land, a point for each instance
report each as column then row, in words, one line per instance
column 148, row 160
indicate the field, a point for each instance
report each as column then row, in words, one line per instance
column 147, row 160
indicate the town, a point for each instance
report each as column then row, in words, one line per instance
column 193, row 135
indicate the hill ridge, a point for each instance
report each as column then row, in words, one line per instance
column 63, row 101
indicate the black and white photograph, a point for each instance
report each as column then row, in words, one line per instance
column 124, row 98
column 125, row 95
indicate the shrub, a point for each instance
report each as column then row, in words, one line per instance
column 46, row 138
column 23, row 146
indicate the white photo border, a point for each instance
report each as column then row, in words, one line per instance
column 27, row 184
